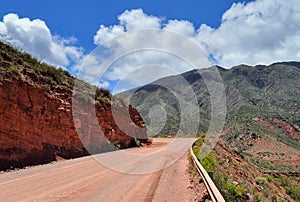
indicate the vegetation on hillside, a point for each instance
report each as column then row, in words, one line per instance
column 250, row 92
column 262, row 126
column 238, row 180
column 21, row 66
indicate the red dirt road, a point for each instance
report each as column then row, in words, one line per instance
column 85, row 179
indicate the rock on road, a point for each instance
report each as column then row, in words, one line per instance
column 151, row 173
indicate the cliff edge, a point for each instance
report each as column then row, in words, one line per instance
column 36, row 115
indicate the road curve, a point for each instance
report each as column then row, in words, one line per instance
column 126, row 177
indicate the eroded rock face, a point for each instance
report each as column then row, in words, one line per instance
column 36, row 127
column 287, row 127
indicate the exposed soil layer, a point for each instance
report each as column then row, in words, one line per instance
column 40, row 122
column 35, row 127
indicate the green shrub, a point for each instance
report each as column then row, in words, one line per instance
column 117, row 145
column 103, row 97
column 258, row 198
column 14, row 71
column 196, row 151
column 135, row 142
column 261, row 181
column 209, row 163
column 291, row 188
column 234, row 192
column 293, row 191
column 123, row 145
column 199, row 142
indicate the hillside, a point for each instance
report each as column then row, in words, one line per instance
column 260, row 99
column 239, row 179
column 271, row 91
column 36, row 120
column 263, row 114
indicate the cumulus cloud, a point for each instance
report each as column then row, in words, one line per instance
column 259, row 32
column 107, row 33
column 137, row 19
column 34, row 37
column 89, row 68
column 145, row 66
column 136, row 57
column 181, row 26
column 128, row 21
column 141, row 40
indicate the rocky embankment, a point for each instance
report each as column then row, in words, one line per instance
column 36, row 116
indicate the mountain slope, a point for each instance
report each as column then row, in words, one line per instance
column 263, row 107
column 270, row 90
column 38, row 123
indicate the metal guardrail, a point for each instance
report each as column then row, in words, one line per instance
column 213, row 191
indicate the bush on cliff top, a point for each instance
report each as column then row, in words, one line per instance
column 18, row 65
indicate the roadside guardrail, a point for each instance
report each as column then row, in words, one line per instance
column 213, row 191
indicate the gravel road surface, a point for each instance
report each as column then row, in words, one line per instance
column 151, row 173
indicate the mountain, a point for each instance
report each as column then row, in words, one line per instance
column 45, row 117
column 261, row 89
column 262, row 107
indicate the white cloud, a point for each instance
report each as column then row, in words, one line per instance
column 180, row 26
column 137, row 19
column 34, row 37
column 260, row 32
column 128, row 21
column 107, row 33
column 145, row 66
column 142, row 40
column 88, row 67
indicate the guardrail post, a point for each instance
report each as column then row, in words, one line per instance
column 211, row 175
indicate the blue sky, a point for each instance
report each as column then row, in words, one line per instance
column 64, row 33
column 81, row 19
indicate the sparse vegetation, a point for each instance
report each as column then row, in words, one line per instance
column 234, row 176
column 261, row 181
column 59, row 85
column 234, row 192
column 291, row 188
column 21, row 66
column 135, row 142
column 15, row 72
column 255, row 96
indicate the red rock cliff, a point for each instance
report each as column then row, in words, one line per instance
column 37, row 126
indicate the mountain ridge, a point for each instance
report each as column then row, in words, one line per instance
column 262, row 101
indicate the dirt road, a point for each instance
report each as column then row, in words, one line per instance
column 115, row 176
